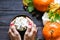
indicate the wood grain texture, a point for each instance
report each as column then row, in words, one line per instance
column 8, row 10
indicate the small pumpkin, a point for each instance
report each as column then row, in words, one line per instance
column 51, row 31
column 42, row 5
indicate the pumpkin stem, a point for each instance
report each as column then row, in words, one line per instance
column 51, row 35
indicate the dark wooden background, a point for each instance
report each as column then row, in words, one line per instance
column 8, row 10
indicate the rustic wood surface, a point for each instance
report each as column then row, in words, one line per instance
column 8, row 10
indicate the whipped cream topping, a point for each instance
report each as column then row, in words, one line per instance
column 21, row 23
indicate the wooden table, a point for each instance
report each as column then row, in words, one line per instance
column 8, row 10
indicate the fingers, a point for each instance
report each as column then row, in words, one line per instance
column 34, row 28
column 12, row 27
column 30, row 22
column 30, row 34
column 31, row 31
column 29, row 27
column 14, row 34
column 27, row 32
column 11, row 34
column 12, row 22
column 14, row 31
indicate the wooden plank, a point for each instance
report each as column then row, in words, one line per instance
column 11, row 5
column 4, row 32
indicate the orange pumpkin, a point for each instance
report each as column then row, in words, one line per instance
column 42, row 5
column 51, row 31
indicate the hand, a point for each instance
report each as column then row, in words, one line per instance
column 31, row 32
column 13, row 33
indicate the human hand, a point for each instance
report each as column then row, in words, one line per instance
column 13, row 33
column 31, row 32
